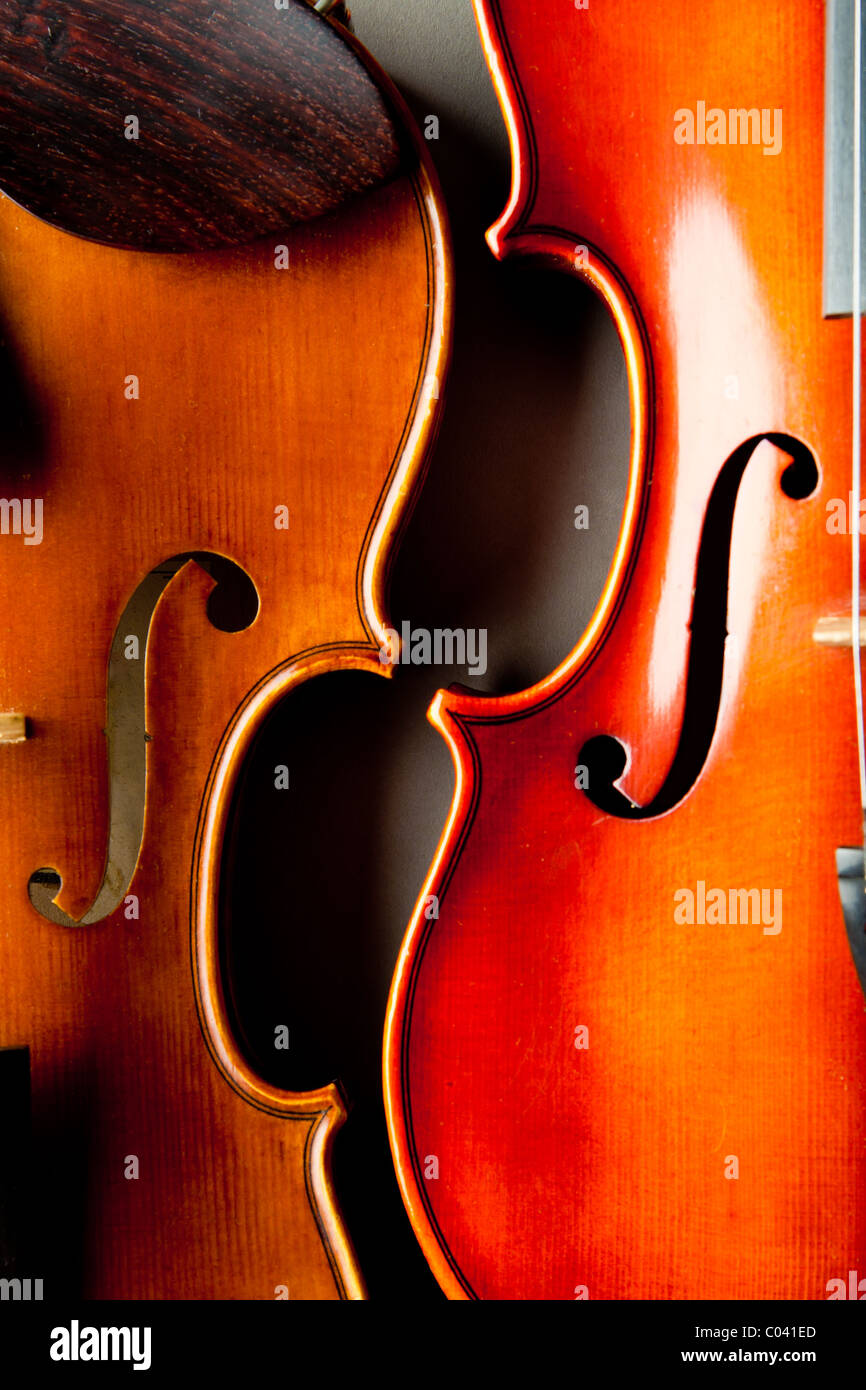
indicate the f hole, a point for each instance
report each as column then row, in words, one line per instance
column 232, row 606
column 604, row 756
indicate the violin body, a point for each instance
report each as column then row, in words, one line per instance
column 260, row 415
column 608, row 1073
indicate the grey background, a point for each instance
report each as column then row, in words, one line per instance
column 536, row 422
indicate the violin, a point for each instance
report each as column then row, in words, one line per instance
column 625, row 1052
column 200, row 215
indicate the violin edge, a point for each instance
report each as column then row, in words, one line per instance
column 386, row 526
column 453, row 711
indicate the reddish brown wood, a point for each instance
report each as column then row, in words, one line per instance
column 565, row 1172
column 249, row 117
column 161, row 405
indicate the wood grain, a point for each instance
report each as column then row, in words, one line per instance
column 604, row 1169
column 233, row 416
column 248, row 118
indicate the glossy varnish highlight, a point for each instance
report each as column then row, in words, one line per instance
column 313, row 388
column 608, row 1170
